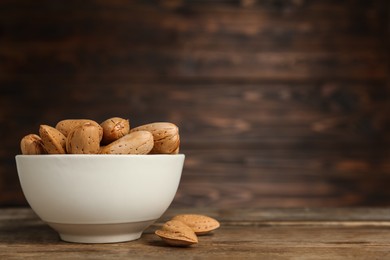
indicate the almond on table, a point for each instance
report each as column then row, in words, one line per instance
column 200, row 224
column 176, row 233
column 183, row 229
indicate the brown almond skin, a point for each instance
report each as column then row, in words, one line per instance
column 114, row 128
column 32, row 144
column 140, row 142
column 65, row 126
column 166, row 137
column 176, row 233
column 53, row 140
column 83, row 139
column 200, row 224
column 176, row 151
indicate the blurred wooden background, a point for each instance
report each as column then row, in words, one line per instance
column 279, row 103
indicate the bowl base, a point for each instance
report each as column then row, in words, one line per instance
column 100, row 233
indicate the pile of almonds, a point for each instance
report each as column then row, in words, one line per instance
column 182, row 230
column 113, row 136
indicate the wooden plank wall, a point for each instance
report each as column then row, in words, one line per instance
column 279, row 103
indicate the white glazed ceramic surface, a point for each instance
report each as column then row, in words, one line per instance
column 99, row 198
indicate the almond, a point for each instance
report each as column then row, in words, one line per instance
column 53, row 140
column 83, row 139
column 176, row 233
column 65, row 126
column 114, row 128
column 32, row 144
column 166, row 136
column 200, row 224
column 176, row 151
column 140, row 142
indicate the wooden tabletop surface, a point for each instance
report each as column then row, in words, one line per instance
column 324, row 233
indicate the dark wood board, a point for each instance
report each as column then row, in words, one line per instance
column 284, row 102
column 331, row 233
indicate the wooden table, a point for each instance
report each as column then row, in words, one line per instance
column 334, row 233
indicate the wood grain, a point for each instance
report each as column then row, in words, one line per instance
column 333, row 233
column 343, row 41
column 278, row 102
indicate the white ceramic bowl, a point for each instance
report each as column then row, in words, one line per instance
column 99, row 198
